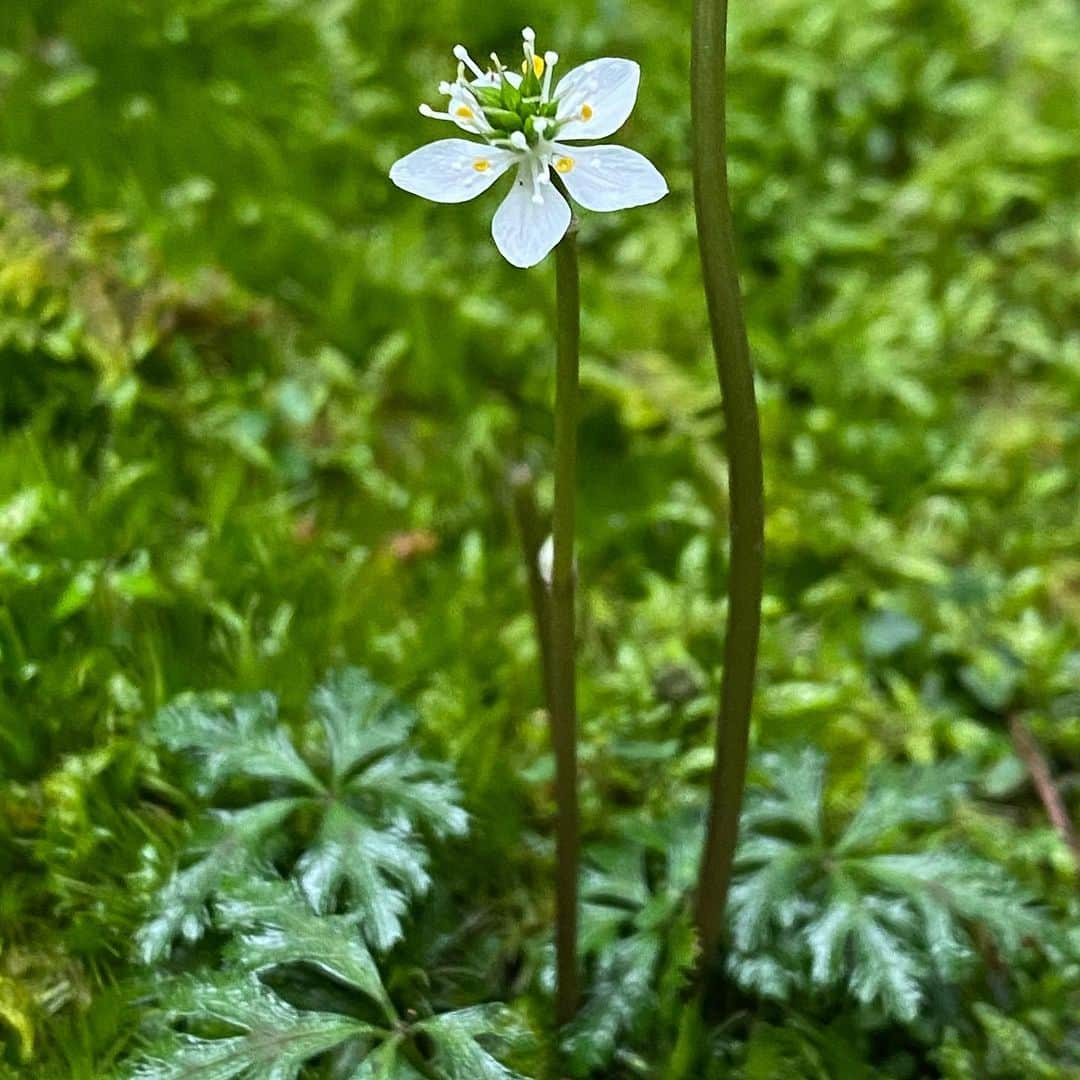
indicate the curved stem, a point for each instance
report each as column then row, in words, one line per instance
column 744, row 465
column 562, row 705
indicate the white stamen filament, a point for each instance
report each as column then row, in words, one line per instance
column 539, row 176
column 432, row 114
column 550, row 60
column 463, row 55
column 474, row 121
column 528, row 46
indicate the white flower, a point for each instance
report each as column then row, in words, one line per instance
column 526, row 126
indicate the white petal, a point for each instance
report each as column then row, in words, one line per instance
column 451, row 171
column 466, row 112
column 596, row 98
column 525, row 231
column 608, row 177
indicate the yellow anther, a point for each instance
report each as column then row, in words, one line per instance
column 465, row 112
column 481, row 165
column 538, row 65
column 586, row 112
column 564, row 165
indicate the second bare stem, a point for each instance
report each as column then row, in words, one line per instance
column 715, row 234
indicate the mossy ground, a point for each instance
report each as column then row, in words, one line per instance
column 258, row 410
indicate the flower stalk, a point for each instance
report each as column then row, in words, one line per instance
column 562, row 705
column 746, row 564
column 532, row 127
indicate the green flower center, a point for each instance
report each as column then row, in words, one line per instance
column 510, row 108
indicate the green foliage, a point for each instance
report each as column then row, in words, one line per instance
column 802, row 1049
column 275, row 1039
column 635, row 929
column 231, row 1024
column 256, row 411
column 1013, row 1048
column 454, row 1035
column 877, row 907
column 274, row 925
column 456, row 1053
column 365, row 814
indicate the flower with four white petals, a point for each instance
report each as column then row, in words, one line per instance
column 525, row 125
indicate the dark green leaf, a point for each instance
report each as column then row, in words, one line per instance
column 238, row 738
column 273, row 924
column 275, row 1040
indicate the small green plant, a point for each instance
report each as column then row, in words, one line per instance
column 361, row 801
column 518, row 118
column 230, row 1023
column 876, row 906
column 637, row 936
column 844, row 920
column 368, row 803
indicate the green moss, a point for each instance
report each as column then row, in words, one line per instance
column 257, row 411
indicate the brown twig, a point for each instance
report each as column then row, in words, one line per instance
column 1030, row 753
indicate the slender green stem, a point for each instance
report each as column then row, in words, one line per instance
column 532, row 533
column 744, row 465
column 562, row 704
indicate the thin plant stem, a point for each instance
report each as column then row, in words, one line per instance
column 532, row 533
column 707, row 77
column 1031, row 754
column 562, row 703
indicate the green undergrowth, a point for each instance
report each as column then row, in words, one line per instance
column 257, row 413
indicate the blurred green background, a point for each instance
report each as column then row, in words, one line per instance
column 258, row 409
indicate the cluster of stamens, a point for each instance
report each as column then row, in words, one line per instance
column 513, row 113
